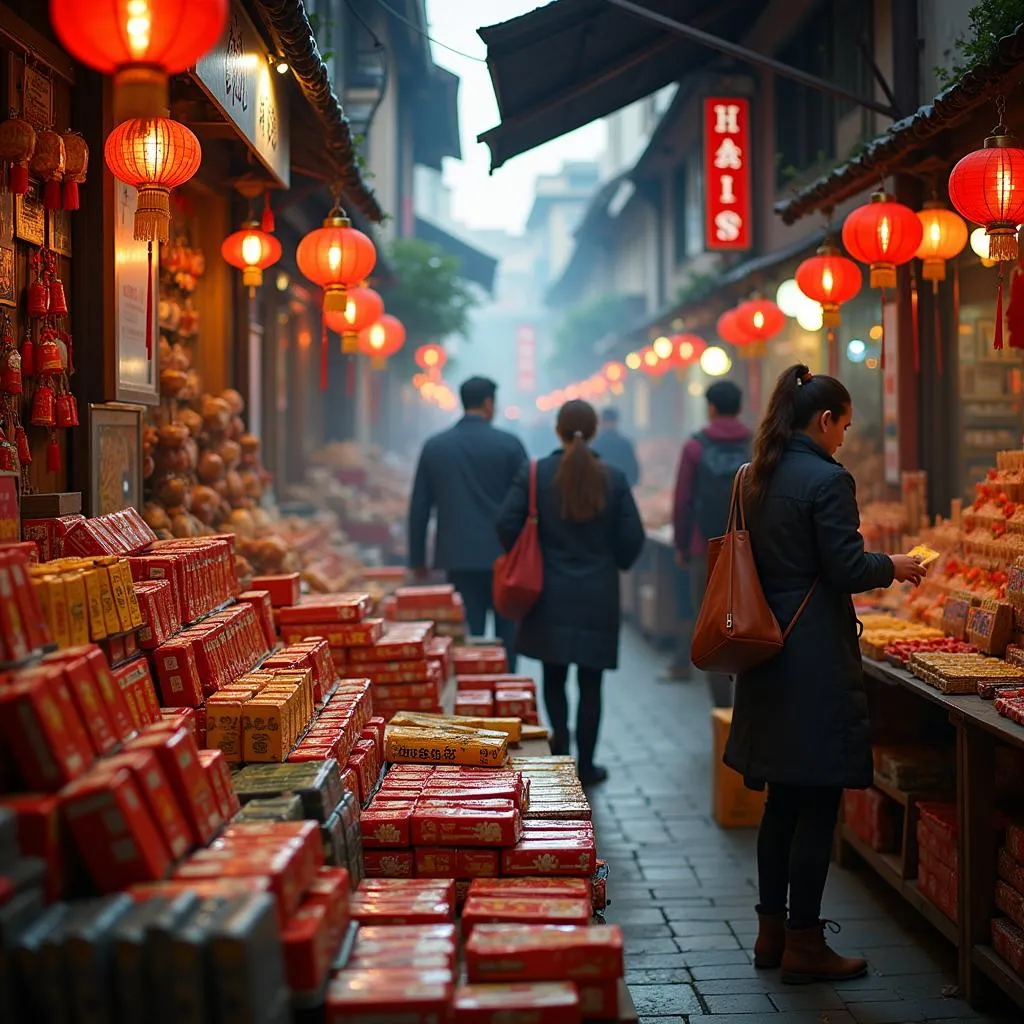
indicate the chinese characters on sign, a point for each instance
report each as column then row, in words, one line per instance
column 526, row 358
column 727, row 173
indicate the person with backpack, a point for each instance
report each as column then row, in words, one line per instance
column 707, row 468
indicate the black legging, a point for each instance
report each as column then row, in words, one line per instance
column 794, row 847
column 588, row 714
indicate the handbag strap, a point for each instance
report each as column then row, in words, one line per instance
column 799, row 611
column 533, row 490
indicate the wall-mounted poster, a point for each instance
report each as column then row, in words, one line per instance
column 8, row 281
column 30, row 215
column 134, row 276
column 60, row 232
column 115, row 455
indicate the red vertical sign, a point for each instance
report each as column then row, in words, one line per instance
column 526, row 358
column 727, row 173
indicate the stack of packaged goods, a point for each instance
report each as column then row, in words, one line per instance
column 872, row 817
column 496, row 695
column 1008, row 932
column 937, row 867
column 24, row 631
column 441, row 605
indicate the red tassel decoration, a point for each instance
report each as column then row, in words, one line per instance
column 267, row 220
column 73, row 407
column 53, row 456
column 17, row 179
column 51, row 195
column 28, row 358
column 323, row 354
column 915, row 327
column 24, row 448
column 997, row 338
column 70, row 194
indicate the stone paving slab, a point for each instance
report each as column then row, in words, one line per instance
column 684, row 890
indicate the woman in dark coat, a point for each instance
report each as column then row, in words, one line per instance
column 800, row 721
column 590, row 531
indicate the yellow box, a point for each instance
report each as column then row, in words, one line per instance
column 124, row 615
column 78, row 611
column 106, row 592
column 60, row 623
column 732, row 804
column 134, row 611
column 224, row 724
column 406, row 744
column 262, row 740
column 94, row 603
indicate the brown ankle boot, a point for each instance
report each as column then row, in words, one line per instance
column 771, row 939
column 807, row 957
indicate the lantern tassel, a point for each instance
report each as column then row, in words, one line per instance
column 267, row 220
column 937, row 313
column 997, row 338
column 915, row 329
column 323, row 355
column 51, row 195
column 149, row 303
column 17, row 179
column 70, row 194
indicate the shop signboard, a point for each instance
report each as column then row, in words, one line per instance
column 526, row 358
column 727, row 173
column 241, row 82
column 135, row 278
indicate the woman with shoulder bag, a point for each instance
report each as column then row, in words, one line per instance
column 800, row 723
column 590, row 531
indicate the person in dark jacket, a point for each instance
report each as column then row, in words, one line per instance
column 590, row 531
column 800, row 722
column 615, row 449
column 707, row 467
column 463, row 475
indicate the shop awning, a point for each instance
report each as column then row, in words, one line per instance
column 435, row 130
column 916, row 143
column 574, row 61
column 321, row 143
column 474, row 265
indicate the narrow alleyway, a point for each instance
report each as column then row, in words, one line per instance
column 683, row 889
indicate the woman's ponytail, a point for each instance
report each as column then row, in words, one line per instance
column 797, row 398
column 581, row 478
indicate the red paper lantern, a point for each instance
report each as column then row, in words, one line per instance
column 17, row 147
column 76, row 165
column 336, row 257
column 760, row 319
column 944, row 236
column 382, row 340
column 363, row 307
column 687, row 349
column 140, row 43
column 987, row 187
column 251, row 250
column 431, row 357
column 155, row 155
column 731, row 330
column 652, row 365
column 829, row 278
column 883, row 234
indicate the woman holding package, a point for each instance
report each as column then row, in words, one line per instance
column 590, row 531
column 800, row 722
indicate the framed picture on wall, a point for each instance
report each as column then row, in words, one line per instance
column 60, row 232
column 8, row 279
column 115, row 457
column 30, row 215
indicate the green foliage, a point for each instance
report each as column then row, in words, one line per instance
column 990, row 20
column 583, row 326
column 428, row 295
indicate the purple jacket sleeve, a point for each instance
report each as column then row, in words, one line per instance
column 682, row 508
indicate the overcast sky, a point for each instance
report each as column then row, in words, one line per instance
column 501, row 200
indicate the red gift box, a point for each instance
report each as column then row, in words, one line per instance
column 388, row 863
column 515, row 952
column 400, row 994
column 488, row 823
column 544, row 1002
column 524, row 910
column 307, row 948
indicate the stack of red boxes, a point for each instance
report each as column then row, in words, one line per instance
column 23, row 628
column 496, row 695
column 340, row 619
column 1008, row 932
column 201, row 571
column 591, row 959
column 938, row 860
column 872, row 817
column 441, row 605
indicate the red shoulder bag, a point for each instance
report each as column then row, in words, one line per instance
column 519, row 575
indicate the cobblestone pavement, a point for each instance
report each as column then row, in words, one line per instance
column 683, row 890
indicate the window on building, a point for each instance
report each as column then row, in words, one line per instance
column 680, row 197
column 828, row 43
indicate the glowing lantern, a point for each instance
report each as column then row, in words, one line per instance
column 652, row 365
column 715, row 362
column 363, row 308
column 731, row 330
column 883, row 234
column 987, row 187
column 154, row 155
column 613, row 372
column 382, row 340
column 760, row 319
column 830, row 279
column 17, row 147
column 687, row 349
column 634, row 361
column 251, row 250
column 662, row 347
column 336, row 257
column 431, row 358
column 945, row 235
column 140, row 43
column 76, row 165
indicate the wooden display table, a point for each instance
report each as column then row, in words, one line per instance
column 978, row 728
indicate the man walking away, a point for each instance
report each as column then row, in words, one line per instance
column 615, row 449
column 707, row 469
column 463, row 476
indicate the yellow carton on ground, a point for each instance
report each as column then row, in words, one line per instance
column 732, row 804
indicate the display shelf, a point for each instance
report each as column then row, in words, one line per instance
column 997, row 970
column 888, row 867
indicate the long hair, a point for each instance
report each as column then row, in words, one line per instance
column 581, row 477
column 798, row 397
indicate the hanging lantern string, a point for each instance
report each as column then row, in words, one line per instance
column 149, row 302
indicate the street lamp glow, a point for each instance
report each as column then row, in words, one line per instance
column 634, row 361
column 789, row 298
column 715, row 361
column 695, row 389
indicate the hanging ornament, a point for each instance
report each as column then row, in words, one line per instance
column 944, row 237
column 760, row 319
column 28, row 356
column 431, row 358
column 140, row 43
column 76, row 166
column 729, row 329
column 267, row 220
column 336, row 257
column 687, row 349
column 884, row 234
column 17, row 145
column 650, row 364
column 8, row 455
column 53, row 454
column 11, row 382
column 830, row 279
column 43, row 412
column 48, row 355
column 39, row 290
column 363, row 308
column 252, row 250
column 382, row 340
column 48, row 163
column 23, row 448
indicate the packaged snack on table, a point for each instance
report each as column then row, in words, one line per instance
column 445, row 744
column 552, row 1002
column 386, row 825
column 512, row 727
column 560, row 856
column 471, row 661
column 524, row 910
column 388, row 996
column 516, row 952
column 325, row 608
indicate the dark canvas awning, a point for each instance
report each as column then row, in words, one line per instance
column 474, row 265
column 574, row 61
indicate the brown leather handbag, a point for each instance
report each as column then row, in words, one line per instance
column 736, row 629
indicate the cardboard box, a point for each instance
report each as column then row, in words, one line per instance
column 732, row 804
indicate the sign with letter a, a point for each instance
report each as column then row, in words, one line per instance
column 727, row 173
